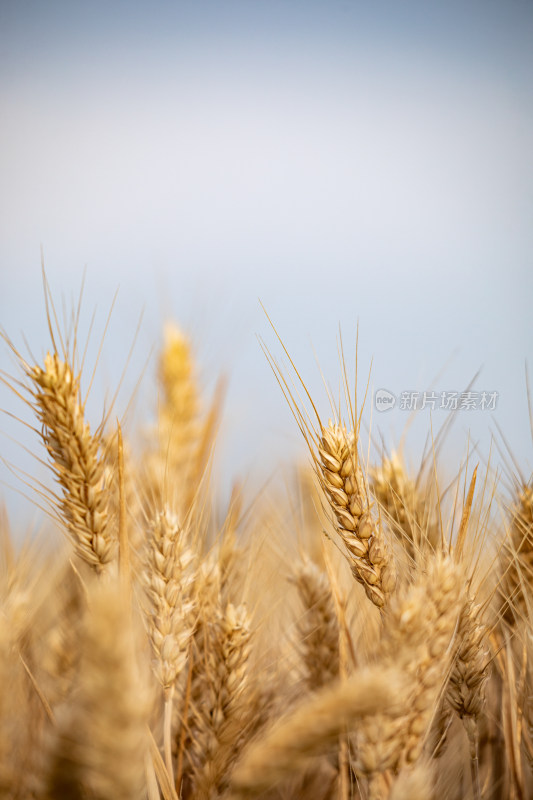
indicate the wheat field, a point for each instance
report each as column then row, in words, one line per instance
column 369, row 637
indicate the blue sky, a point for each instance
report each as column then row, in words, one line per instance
column 341, row 162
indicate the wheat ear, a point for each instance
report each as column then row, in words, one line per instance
column 169, row 579
column 517, row 559
column 466, row 688
column 404, row 505
column 100, row 742
column 417, row 634
column 220, row 728
column 170, row 612
column 345, row 487
column 318, row 628
column 76, row 461
column 175, row 467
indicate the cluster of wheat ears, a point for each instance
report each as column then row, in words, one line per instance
column 368, row 634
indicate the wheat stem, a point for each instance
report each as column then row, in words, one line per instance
column 167, row 732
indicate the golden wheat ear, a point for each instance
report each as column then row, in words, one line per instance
column 517, row 559
column 318, row 628
column 100, row 744
column 76, row 461
column 407, row 509
column 221, row 715
column 418, row 630
column 345, row 487
column 177, row 454
column 26, row 717
column 170, row 610
column 335, row 453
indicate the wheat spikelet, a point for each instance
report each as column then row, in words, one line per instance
column 100, row 745
column 134, row 518
column 176, row 378
column 343, row 482
column 75, row 461
column 318, row 628
column 179, row 410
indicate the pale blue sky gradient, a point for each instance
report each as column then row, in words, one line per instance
column 339, row 161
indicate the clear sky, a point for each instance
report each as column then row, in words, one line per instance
column 339, row 161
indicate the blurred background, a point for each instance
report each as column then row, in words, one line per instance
column 341, row 163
